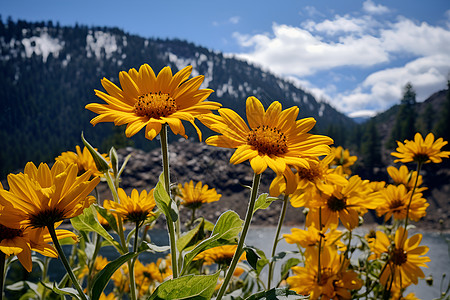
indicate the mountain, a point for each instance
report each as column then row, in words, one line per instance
column 49, row 73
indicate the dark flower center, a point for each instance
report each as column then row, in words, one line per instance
column 336, row 204
column 399, row 256
column 155, row 105
column 137, row 216
column 397, row 205
column 268, row 140
column 7, row 233
column 309, row 174
column 46, row 217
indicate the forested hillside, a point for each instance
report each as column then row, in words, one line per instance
column 49, row 73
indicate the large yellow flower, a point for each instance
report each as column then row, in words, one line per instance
column 421, row 150
column 346, row 203
column 394, row 201
column 310, row 239
column 83, row 159
column 194, row 196
column 405, row 257
column 333, row 281
column 47, row 196
column 136, row 208
column 274, row 138
column 150, row 101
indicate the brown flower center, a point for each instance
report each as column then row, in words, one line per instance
column 155, row 105
column 268, row 140
column 309, row 174
column 397, row 205
column 46, row 217
column 7, row 233
column 336, row 204
column 399, row 256
column 137, row 216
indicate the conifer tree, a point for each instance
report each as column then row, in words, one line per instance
column 404, row 127
column 442, row 127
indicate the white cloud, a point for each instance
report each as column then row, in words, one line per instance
column 361, row 43
column 234, row 20
column 295, row 51
column 370, row 7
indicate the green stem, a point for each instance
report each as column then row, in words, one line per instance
column 62, row 256
column 170, row 224
column 276, row 240
column 98, row 243
column 319, row 268
column 189, row 225
column 248, row 219
column 2, row 273
column 419, row 167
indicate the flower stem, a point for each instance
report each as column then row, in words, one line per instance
column 170, row 224
column 276, row 240
column 62, row 256
column 2, row 273
column 419, row 167
column 248, row 219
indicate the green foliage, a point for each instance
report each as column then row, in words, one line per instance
column 199, row 287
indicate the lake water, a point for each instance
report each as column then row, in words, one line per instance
column 262, row 238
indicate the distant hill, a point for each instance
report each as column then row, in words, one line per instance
column 49, row 73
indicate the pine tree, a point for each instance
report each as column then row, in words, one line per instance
column 442, row 127
column 371, row 148
column 405, row 127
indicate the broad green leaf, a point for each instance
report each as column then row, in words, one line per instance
column 281, row 255
column 163, row 201
column 288, row 265
column 225, row 232
column 103, row 277
column 186, row 239
column 88, row 222
column 262, row 262
column 276, row 293
column 263, row 202
column 198, row 287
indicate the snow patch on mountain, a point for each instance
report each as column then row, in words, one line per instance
column 42, row 45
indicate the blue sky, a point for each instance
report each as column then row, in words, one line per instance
column 356, row 55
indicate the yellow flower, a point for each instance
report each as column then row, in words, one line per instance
column 317, row 177
column 99, row 264
column 150, row 101
column 136, row 208
column 342, row 158
column 405, row 257
column 83, row 159
column 194, row 196
column 333, row 281
column 403, row 176
column 394, row 201
column 18, row 239
column 274, row 139
column 346, row 203
column 110, row 296
column 310, row 238
column 421, row 150
column 47, row 196
column 221, row 255
column 149, row 276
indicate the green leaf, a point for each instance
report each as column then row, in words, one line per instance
column 163, row 201
column 88, row 222
column 275, row 293
column 146, row 246
column 108, row 216
column 288, row 265
column 225, row 232
column 198, row 287
column 62, row 291
column 252, row 257
column 100, row 161
column 186, row 239
column 263, row 202
column 103, row 277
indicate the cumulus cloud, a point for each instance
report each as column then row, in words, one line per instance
column 420, row 53
column 370, row 7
